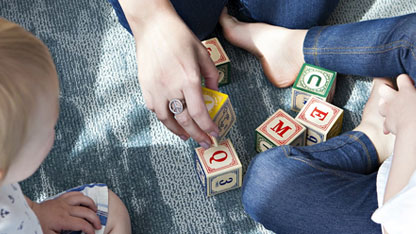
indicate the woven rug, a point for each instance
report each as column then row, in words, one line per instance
column 105, row 133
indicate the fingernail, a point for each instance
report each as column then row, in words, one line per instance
column 214, row 134
column 183, row 137
column 204, row 145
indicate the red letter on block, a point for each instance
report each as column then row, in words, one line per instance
column 318, row 113
column 220, row 159
column 279, row 130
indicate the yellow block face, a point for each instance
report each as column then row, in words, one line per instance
column 213, row 100
column 220, row 110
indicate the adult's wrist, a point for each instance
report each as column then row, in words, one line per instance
column 139, row 12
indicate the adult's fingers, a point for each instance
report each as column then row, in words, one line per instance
column 208, row 69
column 188, row 123
column 166, row 117
column 198, row 110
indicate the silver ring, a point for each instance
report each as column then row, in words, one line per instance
column 176, row 106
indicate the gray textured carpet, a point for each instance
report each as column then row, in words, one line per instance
column 105, row 134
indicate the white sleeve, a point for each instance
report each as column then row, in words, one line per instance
column 397, row 216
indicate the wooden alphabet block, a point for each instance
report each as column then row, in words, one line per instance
column 322, row 119
column 279, row 129
column 219, row 168
column 220, row 59
column 220, row 110
column 312, row 81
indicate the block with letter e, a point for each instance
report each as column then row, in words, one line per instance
column 220, row 59
column 279, row 129
column 322, row 120
column 220, row 110
column 312, row 81
column 219, row 168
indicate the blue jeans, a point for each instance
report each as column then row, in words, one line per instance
column 201, row 16
column 325, row 188
column 380, row 48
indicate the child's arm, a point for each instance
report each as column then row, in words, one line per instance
column 71, row 211
column 399, row 110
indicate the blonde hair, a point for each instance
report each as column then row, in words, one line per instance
column 24, row 60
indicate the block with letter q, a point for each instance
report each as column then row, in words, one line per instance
column 219, row 168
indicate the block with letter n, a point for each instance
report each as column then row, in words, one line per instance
column 220, row 110
column 312, row 81
column 220, row 59
column 279, row 129
column 219, row 168
column 322, row 119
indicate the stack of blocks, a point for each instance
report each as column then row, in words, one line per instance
column 317, row 120
column 219, row 167
column 220, row 59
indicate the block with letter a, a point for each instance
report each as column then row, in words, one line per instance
column 220, row 110
column 312, row 81
column 219, row 168
column 279, row 129
column 220, row 59
column 322, row 119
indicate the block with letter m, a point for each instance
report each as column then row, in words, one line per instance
column 279, row 129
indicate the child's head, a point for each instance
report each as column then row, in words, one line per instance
column 28, row 102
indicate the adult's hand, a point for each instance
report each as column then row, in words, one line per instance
column 171, row 60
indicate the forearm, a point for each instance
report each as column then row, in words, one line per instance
column 140, row 12
column 404, row 162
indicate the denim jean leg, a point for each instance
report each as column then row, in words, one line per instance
column 300, row 14
column 294, row 190
column 201, row 16
column 378, row 48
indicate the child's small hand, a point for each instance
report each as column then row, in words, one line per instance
column 72, row 211
column 398, row 107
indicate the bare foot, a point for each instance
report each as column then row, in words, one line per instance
column 280, row 50
column 372, row 122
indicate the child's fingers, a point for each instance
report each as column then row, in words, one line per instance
column 78, row 224
column 87, row 214
column 79, row 199
column 386, row 130
column 382, row 107
column 386, row 92
column 404, row 81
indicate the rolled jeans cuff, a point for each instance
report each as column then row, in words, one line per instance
column 311, row 45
